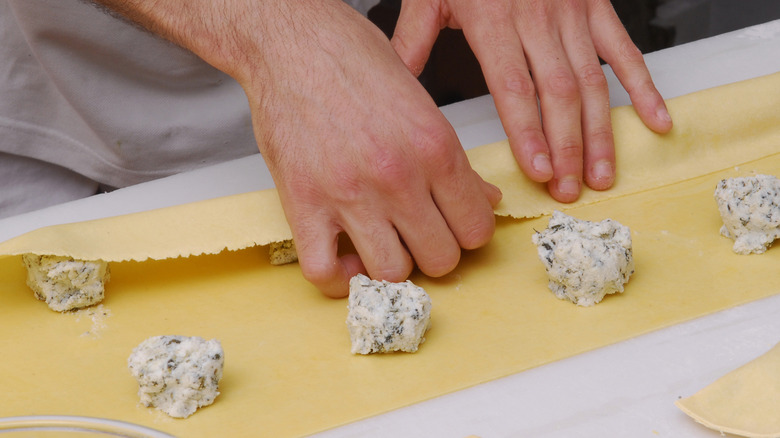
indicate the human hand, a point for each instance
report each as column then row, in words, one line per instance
column 354, row 143
column 357, row 146
column 547, row 49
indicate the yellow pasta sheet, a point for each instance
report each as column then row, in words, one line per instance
column 744, row 402
column 714, row 129
column 288, row 370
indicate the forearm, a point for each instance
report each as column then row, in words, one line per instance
column 237, row 37
column 348, row 156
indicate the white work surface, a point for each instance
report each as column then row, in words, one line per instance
column 624, row 390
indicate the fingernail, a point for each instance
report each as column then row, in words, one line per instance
column 603, row 170
column 663, row 114
column 541, row 163
column 569, row 185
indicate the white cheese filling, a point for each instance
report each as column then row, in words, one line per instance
column 177, row 374
column 64, row 283
column 281, row 253
column 750, row 209
column 585, row 260
column 385, row 317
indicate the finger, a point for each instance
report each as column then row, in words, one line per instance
column 317, row 247
column 616, row 48
column 379, row 246
column 560, row 104
column 466, row 209
column 492, row 192
column 429, row 239
column 496, row 46
column 415, row 33
column 598, row 143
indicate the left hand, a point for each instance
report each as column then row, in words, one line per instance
column 547, row 49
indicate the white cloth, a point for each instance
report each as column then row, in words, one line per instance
column 88, row 92
column 29, row 184
column 110, row 101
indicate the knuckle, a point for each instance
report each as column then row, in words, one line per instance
column 518, row 83
column 434, row 147
column 601, row 136
column 319, row 274
column 628, row 51
column 568, row 148
column 347, row 187
column 529, row 137
column 592, row 76
column 561, row 84
column 440, row 264
column 390, row 169
column 394, row 273
column 316, row 267
column 641, row 87
column 479, row 231
column 432, row 141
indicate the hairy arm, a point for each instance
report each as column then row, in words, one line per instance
column 354, row 143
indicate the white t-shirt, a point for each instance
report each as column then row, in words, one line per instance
column 109, row 101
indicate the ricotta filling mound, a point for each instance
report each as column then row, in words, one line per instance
column 64, row 283
column 750, row 209
column 282, row 253
column 177, row 374
column 385, row 317
column 584, row 260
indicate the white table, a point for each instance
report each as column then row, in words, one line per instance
column 624, row 390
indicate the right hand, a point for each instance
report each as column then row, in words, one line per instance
column 356, row 145
column 352, row 140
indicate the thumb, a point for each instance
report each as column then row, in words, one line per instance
column 415, row 32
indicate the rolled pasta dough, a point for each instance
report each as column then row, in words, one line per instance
column 745, row 402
